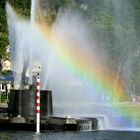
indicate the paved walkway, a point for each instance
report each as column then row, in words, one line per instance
column 3, row 105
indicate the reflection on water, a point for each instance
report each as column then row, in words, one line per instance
column 44, row 137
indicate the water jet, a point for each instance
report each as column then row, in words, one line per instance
column 71, row 67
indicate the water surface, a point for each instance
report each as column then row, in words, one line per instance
column 98, row 135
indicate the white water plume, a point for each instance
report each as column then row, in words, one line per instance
column 72, row 92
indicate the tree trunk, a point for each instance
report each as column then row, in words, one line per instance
column 0, row 65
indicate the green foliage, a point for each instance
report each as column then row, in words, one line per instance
column 3, row 97
column 67, row 3
column 3, row 31
column 51, row 17
column 6, row 72
column 23, row 8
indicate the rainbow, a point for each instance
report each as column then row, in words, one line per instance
column 86, row 66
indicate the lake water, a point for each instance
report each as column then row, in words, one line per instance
column 95, row 135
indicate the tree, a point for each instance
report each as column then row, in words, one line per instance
column 3, row 33
column 22, row 7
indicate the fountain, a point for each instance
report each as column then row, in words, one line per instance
column 81, row 83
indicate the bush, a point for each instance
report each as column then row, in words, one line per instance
column 3, row 97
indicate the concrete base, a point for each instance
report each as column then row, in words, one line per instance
column 18, row 119
column 21, row 126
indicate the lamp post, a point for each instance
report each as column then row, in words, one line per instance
column 38, row 101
